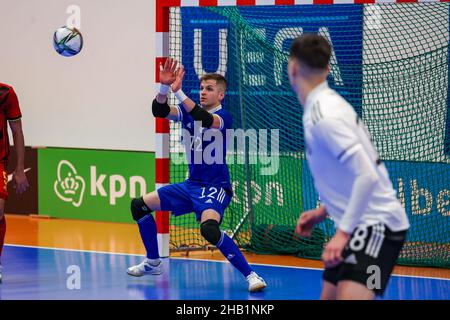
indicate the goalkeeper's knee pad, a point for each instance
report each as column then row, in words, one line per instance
column 139, row 209
column 210, row 231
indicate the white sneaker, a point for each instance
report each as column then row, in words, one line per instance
column 145, row 268
column 255, row 282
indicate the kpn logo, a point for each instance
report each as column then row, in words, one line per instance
column 70, row 186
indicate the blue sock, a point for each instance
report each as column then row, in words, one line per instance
column 231, row 251
column 147, row 229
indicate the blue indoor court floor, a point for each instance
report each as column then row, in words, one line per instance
column 46, row 273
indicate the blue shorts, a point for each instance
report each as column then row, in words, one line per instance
column 186, row 197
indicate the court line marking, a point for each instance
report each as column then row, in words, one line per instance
column 195, row 259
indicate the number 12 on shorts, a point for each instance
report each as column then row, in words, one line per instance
column 213, row 193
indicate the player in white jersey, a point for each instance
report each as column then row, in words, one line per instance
column 352, row 183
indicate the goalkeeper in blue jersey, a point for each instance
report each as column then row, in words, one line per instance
column 207, row 192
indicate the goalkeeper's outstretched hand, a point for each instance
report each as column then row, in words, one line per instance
column 167, row 74
column 179, row 74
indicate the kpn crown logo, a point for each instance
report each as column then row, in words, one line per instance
column 69, row 186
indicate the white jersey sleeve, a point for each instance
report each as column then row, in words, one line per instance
column 343, row 143
column 351, row 180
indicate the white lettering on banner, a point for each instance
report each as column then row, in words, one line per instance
column 223, row 53
column 258, row 193
column 443, row 203
column 279, row 60
column 279, row 192
column 254, row 80
column 416, row 193
column 114, row 192
column 335, row 70
column 97, row 184
column 424, row 207
column 117, row 186
column 420, row 200
column 135, row 180
column 401, row 192
column 249, row 57
column 69, row 186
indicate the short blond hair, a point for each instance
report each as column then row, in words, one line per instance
column 220, row 80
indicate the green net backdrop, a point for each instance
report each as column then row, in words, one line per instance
column 389, row 61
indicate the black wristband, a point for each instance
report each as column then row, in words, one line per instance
column 200, row 114
column 160, row 110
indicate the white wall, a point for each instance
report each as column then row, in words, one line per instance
column 99, row 99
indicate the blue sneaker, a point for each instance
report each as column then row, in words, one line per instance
column 145, row 268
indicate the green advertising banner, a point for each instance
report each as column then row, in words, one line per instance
column 263, row 212
column 93, row 184
column 275, row 195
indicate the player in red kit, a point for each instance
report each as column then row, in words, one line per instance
column 10, row 113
